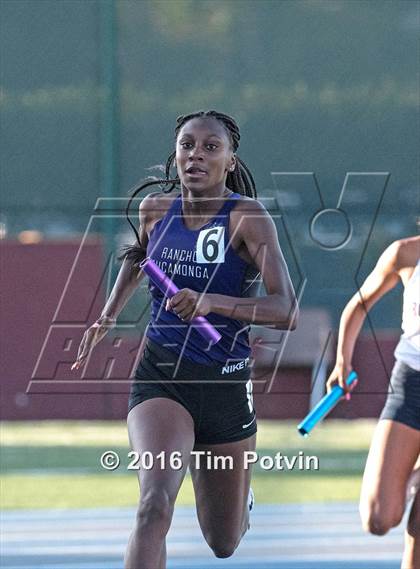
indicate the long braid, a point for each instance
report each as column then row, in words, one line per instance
column 240, row 180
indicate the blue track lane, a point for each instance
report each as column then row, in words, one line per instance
column 312, row 536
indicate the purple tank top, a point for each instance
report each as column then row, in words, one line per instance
column 201, row 260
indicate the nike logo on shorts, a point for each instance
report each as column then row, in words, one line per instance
column 248, row 424
column 235, row 367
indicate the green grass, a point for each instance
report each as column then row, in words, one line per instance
column 56, row 464
column 122, row 490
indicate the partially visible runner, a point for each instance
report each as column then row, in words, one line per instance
column 392, row 472
column 213, row 239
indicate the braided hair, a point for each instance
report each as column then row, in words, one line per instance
column 240, row 180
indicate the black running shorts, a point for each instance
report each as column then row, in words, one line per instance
column 218, row 398
column 403, row 401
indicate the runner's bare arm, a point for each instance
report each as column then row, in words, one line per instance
column 383, row 278
column 129, row 276
column 279, row 307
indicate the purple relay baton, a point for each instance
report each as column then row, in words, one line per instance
column 164, row 283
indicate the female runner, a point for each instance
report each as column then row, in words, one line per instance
column 212, row 239
column 393, row 464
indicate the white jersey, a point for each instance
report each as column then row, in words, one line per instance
column 408, row 349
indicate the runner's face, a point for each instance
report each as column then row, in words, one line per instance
column 203, row 154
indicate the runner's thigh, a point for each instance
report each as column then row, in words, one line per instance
column 392, row 456
column 161, row 425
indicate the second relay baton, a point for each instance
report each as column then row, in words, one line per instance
column 169, row 289
column 327, row 403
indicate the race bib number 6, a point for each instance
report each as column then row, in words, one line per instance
column 211, row 245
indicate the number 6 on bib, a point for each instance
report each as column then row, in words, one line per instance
column 211, row 245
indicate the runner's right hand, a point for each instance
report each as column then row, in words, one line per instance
column 92, row 336
column 338, row 376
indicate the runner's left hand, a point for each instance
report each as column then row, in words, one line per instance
column 188, row 304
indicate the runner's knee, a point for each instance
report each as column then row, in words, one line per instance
column 155, row 508
column 378, row 518
column 223, row 549
column 222, row 545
